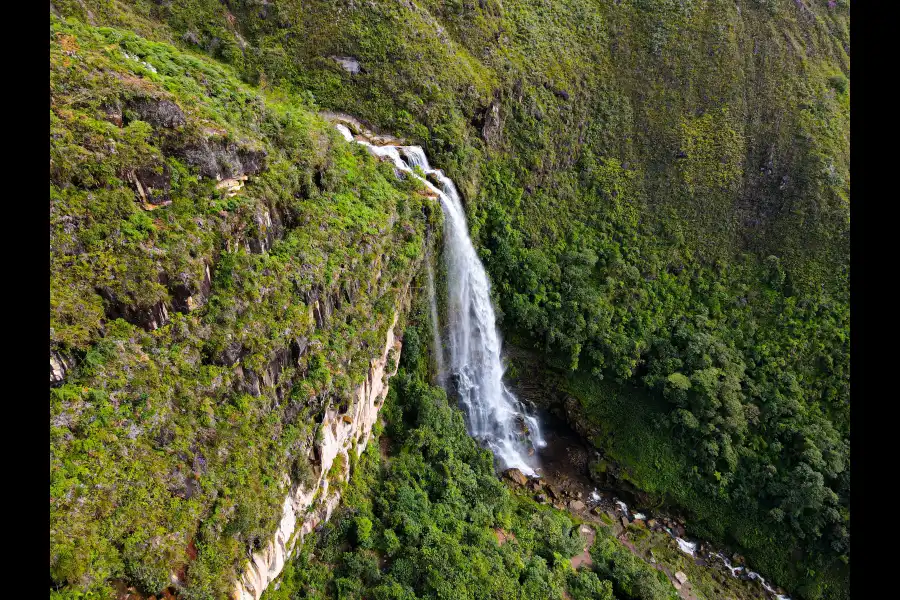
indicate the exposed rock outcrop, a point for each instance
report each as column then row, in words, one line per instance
column 340, row 433
column 152, row 185
column 490, row 131
column 150, row 318
column 516, row 476
column 348, row 63
column 357, row 127
column 59, row 366
column 187, row 297
column 222, row 160
column 159, row 113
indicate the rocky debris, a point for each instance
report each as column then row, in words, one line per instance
column 232, row 353
column 561, row 94
column 534, row 485
column 159, row 113
column 624, row 521
column 348, row 63
column 516, row 476
column 554, row 492
column 541, row 498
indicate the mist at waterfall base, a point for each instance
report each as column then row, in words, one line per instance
column 494, row 416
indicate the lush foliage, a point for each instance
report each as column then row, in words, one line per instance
column 660, row 191
column 170, row 441
column 425, row 520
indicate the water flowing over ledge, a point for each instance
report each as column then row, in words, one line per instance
column 494, row 416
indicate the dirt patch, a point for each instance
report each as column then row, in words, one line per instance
column 585, row 557
column 503, row 536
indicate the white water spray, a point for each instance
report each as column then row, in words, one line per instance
column 494, row 415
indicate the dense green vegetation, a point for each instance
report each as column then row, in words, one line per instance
column 660, row 192
column 171, row 440
column 425, row 520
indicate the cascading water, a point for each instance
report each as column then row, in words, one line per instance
column 494, row 415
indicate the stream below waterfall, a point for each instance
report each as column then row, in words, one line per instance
column 494, row 415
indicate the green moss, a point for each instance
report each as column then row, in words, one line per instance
column 158, row 442
column 606, row 250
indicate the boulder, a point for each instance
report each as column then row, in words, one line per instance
column 348, row 63
column 576, row 505
column 681, row 577
column 516, row 476
column 624, row 521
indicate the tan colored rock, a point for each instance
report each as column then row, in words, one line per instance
column 681, row 577
column 516, row 476
column 231, row 185
column 297, row 519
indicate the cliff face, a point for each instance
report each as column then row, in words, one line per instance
column 305, row 508
column 228, row 277
column 659, row 188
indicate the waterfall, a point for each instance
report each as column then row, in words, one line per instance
column 494, row 416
